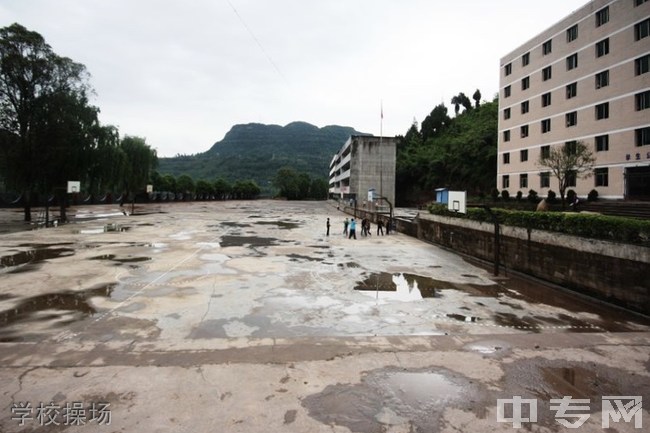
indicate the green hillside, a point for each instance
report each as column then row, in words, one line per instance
column 256, row 151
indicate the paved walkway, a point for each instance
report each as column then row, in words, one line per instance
column 244, row 316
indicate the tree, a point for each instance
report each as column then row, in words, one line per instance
column 222, row 189
column 185, row 185
column 433, row 124
column 139, row 160
column 287, row 182
column 33, row 81
column 566, row 162
column 319, row 189
column 477, row 98
column 461, row 99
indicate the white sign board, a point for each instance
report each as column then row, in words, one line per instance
column 457, row 201
column 149, row 189
column 74, row 186
column 371, row 194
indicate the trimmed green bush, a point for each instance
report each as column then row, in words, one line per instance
column 593, row 195
column 612, row 228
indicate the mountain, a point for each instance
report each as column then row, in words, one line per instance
column 256, row 151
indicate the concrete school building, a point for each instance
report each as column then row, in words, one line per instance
column 365, row 162
column 586, row 78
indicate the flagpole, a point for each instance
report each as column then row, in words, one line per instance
column 381, row 156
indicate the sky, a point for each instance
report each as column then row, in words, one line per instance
column 181, row 73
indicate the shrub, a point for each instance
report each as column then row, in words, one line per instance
column 532, row 196
column 519, row 195
column 505, row 194
column 593, row 195
column 612, row 228
column 551, row 197
column 570, row 196
column 495, row 194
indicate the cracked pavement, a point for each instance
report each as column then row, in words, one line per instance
column 245, row 316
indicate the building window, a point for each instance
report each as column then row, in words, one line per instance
column 602, row 111
column 571, row 179
column 525, row 83
column 506, row 91
column 545, row 151
column 546, row 73
column 523, row 180
column 571, row 147
column 642, row 100
column 572, row 62
column 523, row 155
column 525, row 107
column 546, row 126
column 506, row 114
column 546, row 99
column 602, row 143
column 572, row 33
column 506, row 158
column 602, row 79
column 602, row 16
column 571, row 118
column 639, row 2
column 545, row 179
column 508, row 69
column 525, row 59
column 505, row 181
column 524, row 131
column 602, row 176
column 571, row 90
column 642, row 136
column 547, row 47
column 506, row 136
column 602, row 48
column 642, row 65
column 642, row 29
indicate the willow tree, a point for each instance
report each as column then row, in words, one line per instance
column 36, row 85
column 139, row 159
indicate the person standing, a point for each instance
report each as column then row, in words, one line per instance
column 380, row 227
column 328, row 226
column 345, row 227
column 353, row 229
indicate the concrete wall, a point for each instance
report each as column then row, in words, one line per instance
column 373, row 166
column 616, row 273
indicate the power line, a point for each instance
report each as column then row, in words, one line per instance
column 259, row 44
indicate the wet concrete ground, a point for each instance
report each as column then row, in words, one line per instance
column 245, row 315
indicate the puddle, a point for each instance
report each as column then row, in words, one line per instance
column 114, row 258
column 394, row 399
column 489, row 347
column 251, row 241
column 463, row 318
column 406, row 285
column 32, row 257
column 57, row 309
column 282, row 225
column 300, row 257
column 545, row 379
column 231, row 224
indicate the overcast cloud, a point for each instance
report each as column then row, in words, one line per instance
column 181, row 73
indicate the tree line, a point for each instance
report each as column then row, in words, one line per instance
column 220, row 189
column 49, row 131
column 456, row 153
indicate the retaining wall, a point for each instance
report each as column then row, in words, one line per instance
column 613, row 272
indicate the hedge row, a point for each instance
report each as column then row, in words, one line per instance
column 612, row 228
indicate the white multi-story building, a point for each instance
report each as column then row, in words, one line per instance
column 586, row 78
column 364, row 163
